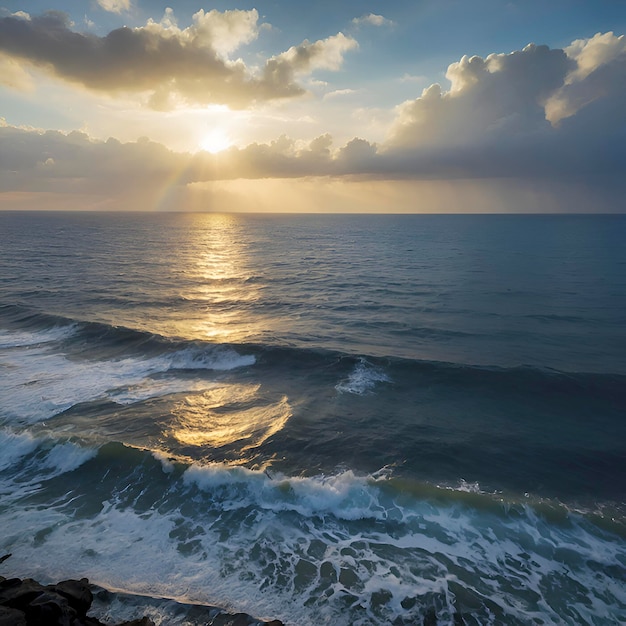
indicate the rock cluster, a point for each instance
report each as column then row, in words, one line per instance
column 28, row 603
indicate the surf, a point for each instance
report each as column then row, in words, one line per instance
column 343, row 548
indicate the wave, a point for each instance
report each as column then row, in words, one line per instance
column 345, row 494
column 52, row 363
column 25, row 338
column 363, row 378
column 341, row 549
column 57, row 364
column 24, row 326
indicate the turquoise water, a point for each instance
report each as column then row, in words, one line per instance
column 322, row 419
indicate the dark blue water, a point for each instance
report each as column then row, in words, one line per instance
column 326, row 419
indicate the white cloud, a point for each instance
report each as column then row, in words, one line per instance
column 114, row 6
column 599, row 72
column 324, row 54
column 220, row 32
column 590, row 54
column 338, row 93
column 372, row 20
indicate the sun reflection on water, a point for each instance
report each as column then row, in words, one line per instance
column 221, row 282
column 229, row 415
column 220, row 286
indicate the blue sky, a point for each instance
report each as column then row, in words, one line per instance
column 331, row 105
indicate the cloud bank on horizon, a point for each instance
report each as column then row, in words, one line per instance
column 548, row 120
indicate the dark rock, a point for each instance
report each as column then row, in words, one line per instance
column 11, row 617
column 274, row 622
column 144, row 621
column 18, row 594
column 77, row 593
column 88, row 621
column 50, row 608
column 9, row 582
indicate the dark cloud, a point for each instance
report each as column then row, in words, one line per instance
column 74, row 163
column 169, row 62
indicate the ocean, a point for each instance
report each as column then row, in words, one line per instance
column 324, row 419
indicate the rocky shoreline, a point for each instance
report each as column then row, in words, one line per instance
column 25, row 602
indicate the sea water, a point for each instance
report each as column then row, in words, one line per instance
column 345, row 420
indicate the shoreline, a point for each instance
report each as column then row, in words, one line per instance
column 73, row 602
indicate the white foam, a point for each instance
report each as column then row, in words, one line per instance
column 167, row 464
column 468, row 487
column 60, row 457
column 363, row 378
column 219, row 358
column 14, row 446
column 24, row 338
column 66, row 457
column 38, row 383
column 280, row 548
column 344, row 495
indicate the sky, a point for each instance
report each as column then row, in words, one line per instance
column 402, row 106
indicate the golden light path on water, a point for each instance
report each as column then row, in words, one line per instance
column 221, row 281
column 221, row 276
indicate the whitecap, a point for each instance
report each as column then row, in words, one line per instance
column 363, row 378
column 14, row 446
column 25, row 338
column 66, row 457
column 221, row 358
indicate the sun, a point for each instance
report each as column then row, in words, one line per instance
column 215, row 141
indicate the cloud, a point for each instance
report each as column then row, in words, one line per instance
column 48, row 161
column 409, row 78
column 52, row 161
column 372, row 20
column 492, row 126
column 324, row 54
column 535, row 114
column 21, row 15
column 338, row 93
column 114, row 6
column 189, row 65
column 599, row 73
column 222, row 33
column 502, row 95
column 13, row 75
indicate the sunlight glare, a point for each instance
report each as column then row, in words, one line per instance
column 216, row 141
